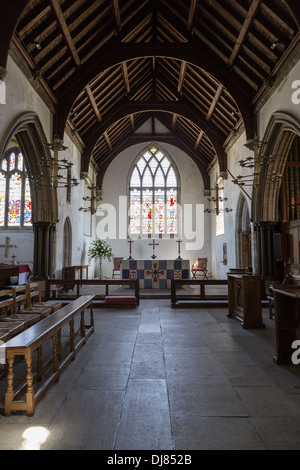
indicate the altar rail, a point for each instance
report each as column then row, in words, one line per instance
column 194, row 300
column 81, row 286
column 26, row 343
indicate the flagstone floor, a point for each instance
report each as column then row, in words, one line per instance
column 157, row 378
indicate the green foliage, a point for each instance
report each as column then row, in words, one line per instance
column 100, row 249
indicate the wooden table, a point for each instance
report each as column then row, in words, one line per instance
column 287, row 321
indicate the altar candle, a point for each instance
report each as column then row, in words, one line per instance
column 13, row 250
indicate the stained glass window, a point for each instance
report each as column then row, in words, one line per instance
column 15, row 196
column 153, row 193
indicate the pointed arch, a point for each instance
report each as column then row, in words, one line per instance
column 31, row 138
column 243, row 234
column 279, row 136
column 67, row 243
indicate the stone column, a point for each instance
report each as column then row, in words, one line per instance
column 266, row 249
column 43, row 250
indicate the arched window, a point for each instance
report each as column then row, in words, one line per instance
column 153, row 194
column 15, row 196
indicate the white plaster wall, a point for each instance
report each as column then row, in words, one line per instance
column 232, row 192
column 281, row 100
column 115, row 185
column 82, row 224
column 21, row 97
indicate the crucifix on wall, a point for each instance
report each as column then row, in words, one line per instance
column 153, row 244
column 6, row 247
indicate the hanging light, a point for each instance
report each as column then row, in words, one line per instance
column 217, row 199
column 54, row 166
column 256, row 162
column 93, row 199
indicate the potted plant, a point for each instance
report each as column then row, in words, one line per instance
column 100, row 249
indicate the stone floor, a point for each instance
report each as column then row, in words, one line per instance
column 170, row 379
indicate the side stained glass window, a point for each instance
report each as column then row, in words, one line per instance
column 15, row 195
column 153, row 193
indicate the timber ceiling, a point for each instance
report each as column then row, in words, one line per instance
column 198, row 67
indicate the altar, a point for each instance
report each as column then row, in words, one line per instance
column 155, row 273
column 23, row 270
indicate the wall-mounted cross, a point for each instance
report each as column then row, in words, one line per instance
column 7, row 246
column 153, row 244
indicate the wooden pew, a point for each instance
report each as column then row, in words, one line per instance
column 12, row 322
column 289, row 280
column 179, row 299
column 22, row 304
column 32, row 339
column 34, row 291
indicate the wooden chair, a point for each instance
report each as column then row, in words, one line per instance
column 33, row 290
column 11, row 322
column 199, row 268
column 21, row 304
column 117, row 266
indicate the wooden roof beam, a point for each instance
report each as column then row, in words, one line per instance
column 65, row 31
column 214, row 101
column 192, row 13
column 125, row 77
column 244, row 31
column 182, row 73
column 117, row 16
column 106, row 137
column 199, row 138
column 93, row 102
column 9, row 18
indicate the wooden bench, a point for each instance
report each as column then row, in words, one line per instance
column 289, row 280
column 201, row 300
column 107, row 299
column 32, row 339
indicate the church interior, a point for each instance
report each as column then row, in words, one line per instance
column 149, row 225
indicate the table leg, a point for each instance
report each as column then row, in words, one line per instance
column 30, row 402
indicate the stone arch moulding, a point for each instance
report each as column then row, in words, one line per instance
column 243, row 229
column 279, row 136
column 31, row 137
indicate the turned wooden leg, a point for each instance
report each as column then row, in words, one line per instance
column 39, row 364
column 72, row 335
column 92, row 315
column 9, row 395
column 30, row 402
column 54, row 357
column 59, row 345
column 82, row 327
